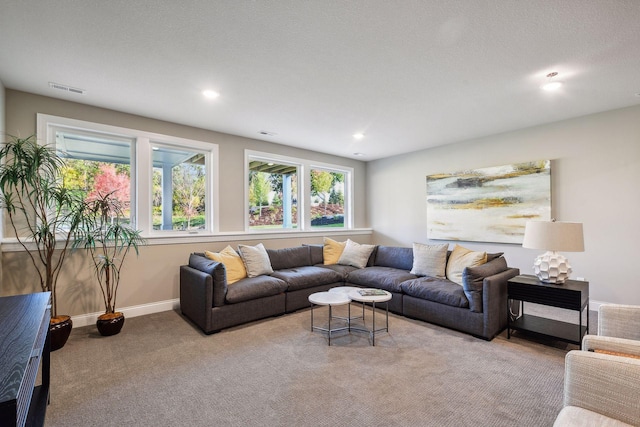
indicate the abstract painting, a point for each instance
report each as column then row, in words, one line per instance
column 489, row 204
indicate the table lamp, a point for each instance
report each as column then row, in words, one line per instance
column 553, row 236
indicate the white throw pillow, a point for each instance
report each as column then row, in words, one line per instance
column 356, row 254
column 429, row 260
column 255, row 259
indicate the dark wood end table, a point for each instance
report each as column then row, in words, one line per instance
column 570, row 295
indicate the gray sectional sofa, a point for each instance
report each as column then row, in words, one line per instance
column 479, row 307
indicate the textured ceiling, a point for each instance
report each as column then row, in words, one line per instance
column 408, row 74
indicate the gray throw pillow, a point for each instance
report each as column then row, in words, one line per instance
column 430, row 260
column 355, row 254
column 473, row 278
column 256, row 260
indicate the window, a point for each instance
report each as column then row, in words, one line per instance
column 327, row 198
column 166, row 184
column 96, row 165
column 272, row 194
column 179, row 189
column 287, row 193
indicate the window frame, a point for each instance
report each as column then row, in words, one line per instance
column 348, row 193
column 250, row 155
column 142, row 169
column 304, row 191
column 198, row 148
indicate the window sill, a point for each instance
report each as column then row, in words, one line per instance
column 12, row 245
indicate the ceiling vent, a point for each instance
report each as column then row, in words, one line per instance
column 67, row 88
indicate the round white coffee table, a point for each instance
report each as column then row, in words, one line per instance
column 372, row 296
column 345, row 290
column 331, row 299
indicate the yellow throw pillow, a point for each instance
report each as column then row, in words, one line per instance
column 461, row 258
column 332, row 250
column 232, row 263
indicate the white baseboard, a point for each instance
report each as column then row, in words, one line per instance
column 174, row 304
column 133, row 311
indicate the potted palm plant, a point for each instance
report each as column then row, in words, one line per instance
column 105, row 234
column 43, row 215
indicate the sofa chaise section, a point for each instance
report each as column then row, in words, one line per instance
column 206, row 299
column 435, row 306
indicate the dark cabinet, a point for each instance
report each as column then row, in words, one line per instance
column 24, row 349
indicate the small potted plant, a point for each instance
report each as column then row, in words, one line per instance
column 105, row 234
column 43, row 215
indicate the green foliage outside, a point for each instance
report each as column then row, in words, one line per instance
column 189, row 181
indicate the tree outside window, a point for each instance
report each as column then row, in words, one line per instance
column 327, row 198
column 273, row 189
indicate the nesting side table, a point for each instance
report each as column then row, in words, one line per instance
column 331, row 299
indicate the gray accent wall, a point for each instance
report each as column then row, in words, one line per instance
column 595, row 180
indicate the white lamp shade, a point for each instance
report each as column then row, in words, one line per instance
column 554, row 236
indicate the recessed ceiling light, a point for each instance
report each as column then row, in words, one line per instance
column 358, row 154
column 211, row 94
column 267, row 133
column 552, row 84
column 358, row 135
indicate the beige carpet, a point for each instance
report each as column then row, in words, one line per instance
column 162, row 371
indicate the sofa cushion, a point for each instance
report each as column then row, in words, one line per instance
column 473, row 278
column 355, row 254
column 461, row 258
column 386, row 278
column 232, row 263
column 315, row 251
column 255, row 287
column 289, row 257
column 307, row 277
column 429, row 260
column 256, row 260
column 394, row 257
column 332, row 250
column 442, row 291
column 343, row 270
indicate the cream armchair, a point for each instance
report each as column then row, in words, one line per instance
column 602, row 384
column 619, row 320
column 600, row 390
column 618, row 331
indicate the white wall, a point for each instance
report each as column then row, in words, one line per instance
column 595, row 180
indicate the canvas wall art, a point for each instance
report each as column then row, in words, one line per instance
column 490, row 204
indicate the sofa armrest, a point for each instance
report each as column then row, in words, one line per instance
column 605, row 384
column 218, row 275
column 621, row 346
column 494, row 301
column 196, row 296
column 619, row 320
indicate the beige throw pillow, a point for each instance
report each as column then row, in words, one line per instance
column 430, row 260
column 355, row 254
column 332, row 250
column 256, row 260
column 232, row 263
column 461, row 258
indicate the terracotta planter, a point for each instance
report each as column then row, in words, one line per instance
column 59, row 330
column 110, row 323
